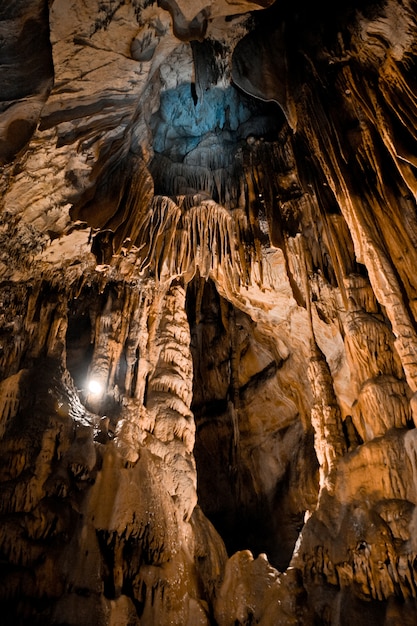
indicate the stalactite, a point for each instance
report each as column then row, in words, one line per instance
column 370, row 346
column 151, row 431
column 370, row 245
column 329, row 441
column 108, row 343
column 383, row 395
column 123, row 196
column 10, row 400
column 377, row 571
column 326, row 420
column 206, row 237
column 383, row 403
column 361, row 292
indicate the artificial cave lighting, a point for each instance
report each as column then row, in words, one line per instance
column 95, row 387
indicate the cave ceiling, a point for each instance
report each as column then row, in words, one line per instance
column 208, row 321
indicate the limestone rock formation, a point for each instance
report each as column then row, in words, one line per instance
column 208, row 322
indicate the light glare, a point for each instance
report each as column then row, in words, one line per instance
column 95, row 387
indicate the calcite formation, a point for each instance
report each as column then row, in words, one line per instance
column 208, row 322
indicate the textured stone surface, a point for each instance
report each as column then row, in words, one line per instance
column 209, row 210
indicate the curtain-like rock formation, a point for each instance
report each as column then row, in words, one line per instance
column 208, row 321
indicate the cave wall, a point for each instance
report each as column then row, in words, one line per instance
column 209, row 212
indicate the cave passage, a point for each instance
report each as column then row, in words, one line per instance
column 252, row 504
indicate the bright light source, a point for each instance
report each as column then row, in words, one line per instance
column 95, row 387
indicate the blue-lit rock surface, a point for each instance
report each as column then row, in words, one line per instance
column 186, row 118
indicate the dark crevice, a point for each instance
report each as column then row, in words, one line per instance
column 194, row 93
column 230, row 490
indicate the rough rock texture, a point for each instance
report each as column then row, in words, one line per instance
column 208, row 321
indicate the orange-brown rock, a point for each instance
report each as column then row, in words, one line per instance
column 208, row 320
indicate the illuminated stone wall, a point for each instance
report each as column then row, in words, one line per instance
column 208, row 347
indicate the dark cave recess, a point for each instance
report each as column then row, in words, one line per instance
column 246, row 515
